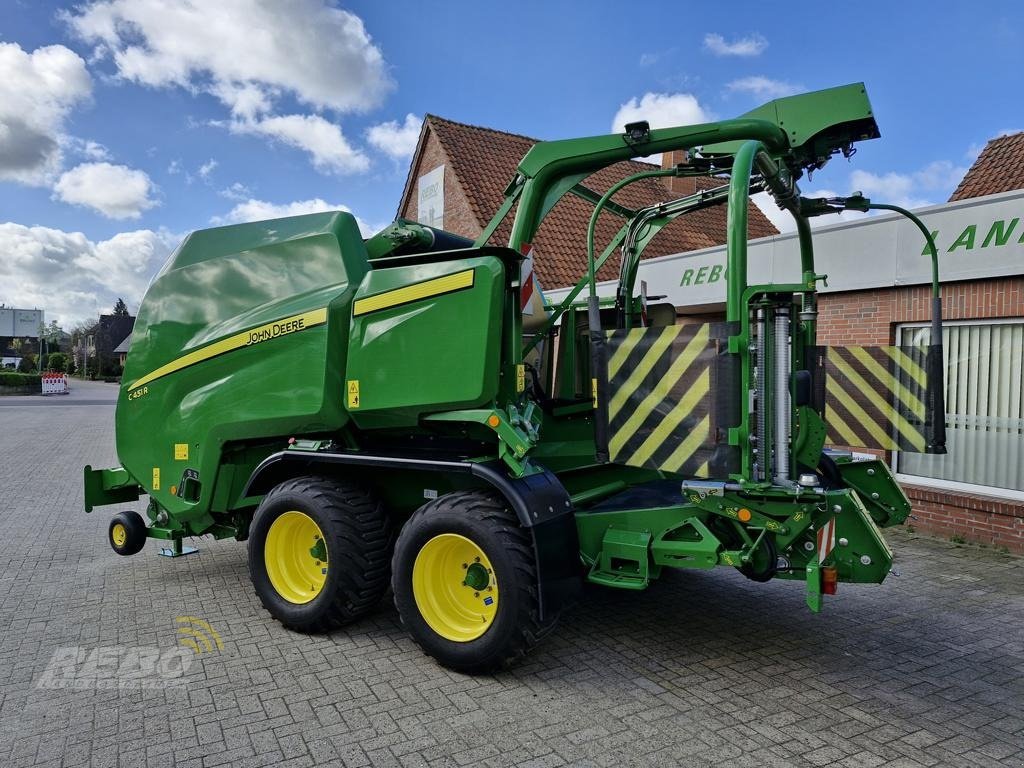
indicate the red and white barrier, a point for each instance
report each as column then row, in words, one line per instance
column 55, row 383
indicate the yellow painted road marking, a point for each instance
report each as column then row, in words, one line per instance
column 282, row 327
column 428, row 288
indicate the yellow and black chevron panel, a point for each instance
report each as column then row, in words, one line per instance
column 876, row 397
column 660, row 412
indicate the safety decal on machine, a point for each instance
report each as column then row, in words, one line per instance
column 181, row 451
column 520, row 377
column 258, row 335
column 156, row 478
column 660, row 410
column 875, row 397
column 826, row 539
column 353, row 393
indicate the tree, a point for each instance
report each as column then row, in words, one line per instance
column 120, row 308
column 27, row 364
column 57, row 361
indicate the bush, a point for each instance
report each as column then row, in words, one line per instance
column 9, row 379
column 27, row 364
column 57, row 361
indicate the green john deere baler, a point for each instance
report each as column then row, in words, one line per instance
column 375, row 412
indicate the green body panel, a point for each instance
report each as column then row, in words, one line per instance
column 820, row 116
column 405, row 357
column 883, row 498
column 218, row 284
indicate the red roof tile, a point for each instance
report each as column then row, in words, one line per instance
column 999, row 168
column 484, row 161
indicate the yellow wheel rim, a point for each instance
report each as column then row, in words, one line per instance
column 119, row 534
column 455, row 589
column 295, row 554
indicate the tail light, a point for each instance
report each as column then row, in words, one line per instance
column 829, row 581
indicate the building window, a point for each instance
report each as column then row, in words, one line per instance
column 984, row 409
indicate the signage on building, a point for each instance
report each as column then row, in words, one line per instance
column 20, row 322
column 430, row 202
column 978, row 238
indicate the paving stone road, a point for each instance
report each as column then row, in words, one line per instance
column 704, row 668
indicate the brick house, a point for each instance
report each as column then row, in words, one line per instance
column 879, row 295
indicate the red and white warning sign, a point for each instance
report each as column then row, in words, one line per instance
column 55, row 383
column 826, row 539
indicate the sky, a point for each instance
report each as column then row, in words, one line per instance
column 126, row 124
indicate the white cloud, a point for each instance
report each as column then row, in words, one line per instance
column 74, row 278
column 397, row 140
column 764, row 87
column 322, row 139
column 90, row 150
column 752, row 45
column 237, row 191
column 207, row 168
column 661, row 110
column 245, row 52
column 116, row 191
column 37, row 91
column 650, row 58
column 927, row 186
column 261, row 210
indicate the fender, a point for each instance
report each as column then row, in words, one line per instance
column 540, row 502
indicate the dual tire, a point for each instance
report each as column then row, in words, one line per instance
column 322, row 552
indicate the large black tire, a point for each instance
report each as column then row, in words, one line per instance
column 127, row 533
column 358, row 537
column 490, row 525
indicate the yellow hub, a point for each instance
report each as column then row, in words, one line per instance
column 119, row 534
column 295, row 554
column 454, row 586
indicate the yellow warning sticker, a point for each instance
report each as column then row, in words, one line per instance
column 156, row 478
column 593, row 391
column 353, row 394
column 181, row 451
column 520, row 377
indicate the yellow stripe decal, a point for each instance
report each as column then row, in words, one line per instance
column 912, row 435
column 889, row 382
column 409, row 293
column 247, row 338
column 658, row 395
column 643, row 368
column 626, row 345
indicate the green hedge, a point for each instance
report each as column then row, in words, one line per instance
column 11, row 379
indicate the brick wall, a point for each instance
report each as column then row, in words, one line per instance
column 981, row 519
column 870, row 317
column 458, row 216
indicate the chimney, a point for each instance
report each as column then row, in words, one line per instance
column 679, row 186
